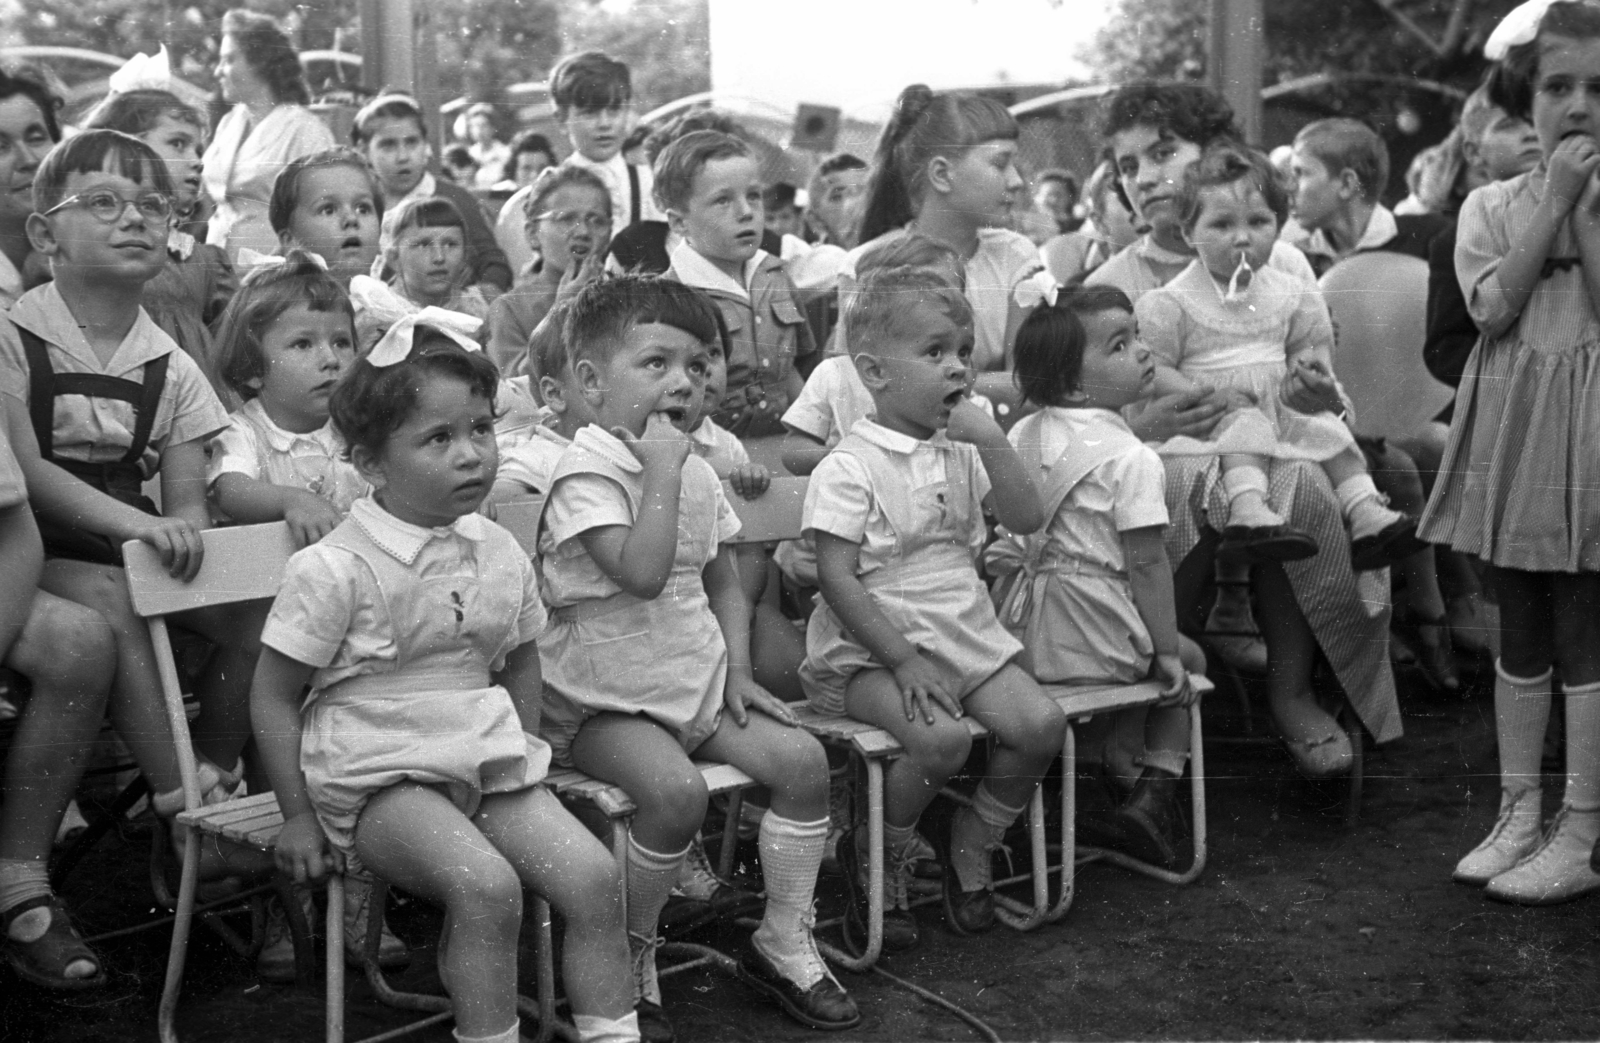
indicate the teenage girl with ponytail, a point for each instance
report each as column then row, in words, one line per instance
column 946, row 167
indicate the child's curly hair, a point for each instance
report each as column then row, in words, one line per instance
column 263, row 296
column 1048, row 358
column 370, row 403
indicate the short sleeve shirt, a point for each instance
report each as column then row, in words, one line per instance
column 100, row 430
column 254, row 446
column 719, row 447
column 831, row 401
column 13, row 488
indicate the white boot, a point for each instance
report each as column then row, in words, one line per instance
column 1515, row 834
column 1558, row 869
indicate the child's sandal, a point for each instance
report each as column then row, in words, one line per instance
column 1267, row 543
column 45, row 960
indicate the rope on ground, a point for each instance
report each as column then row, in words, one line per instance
column 976, row 1022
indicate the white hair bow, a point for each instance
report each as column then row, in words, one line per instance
column 251, row 260
column 395, row 345
column 1038, row 288
column 143, row 72
column 1519, row 26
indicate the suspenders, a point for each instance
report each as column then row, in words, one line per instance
column 634, row 213
column 45, row 384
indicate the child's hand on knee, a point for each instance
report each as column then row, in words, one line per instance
column 302, row 851
column 749, row 480
column 1177, row 690
column 742, row 693
column 921, row 685
column 178, row 543
column 310, row 518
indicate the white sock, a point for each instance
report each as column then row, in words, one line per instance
column 1170, row 761
column 651, row 876
column 1362, row 507
column 592, row 1028
column 1246, row 489
column 791, row 855
column 1521, row 712
column 1583, row 746
column 510, row 1035
column 20, row 880
column 974, row 832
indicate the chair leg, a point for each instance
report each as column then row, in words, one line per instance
column 333, row 983
column 178, row 951
column 1357, row 734
column 1069, row 825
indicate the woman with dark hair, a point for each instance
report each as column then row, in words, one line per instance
column 29, row 128
column 269, row 126
column 1155, row 132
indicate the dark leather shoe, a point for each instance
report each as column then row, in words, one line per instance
column 825, row 1005
column 654, row 1025
column 1396, row 542
column 1266, row 543
column 967, row 912
column 1150, row 822
column 899, row 927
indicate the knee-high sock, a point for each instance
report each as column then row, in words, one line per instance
column 1583, row 746
column 791, row 855
column 1521, row 712
column 974, row 832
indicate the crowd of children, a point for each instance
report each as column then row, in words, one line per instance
column 1004, row 473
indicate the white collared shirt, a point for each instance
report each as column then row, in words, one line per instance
column 614, row 173
column 256, row 447
column 693, row 269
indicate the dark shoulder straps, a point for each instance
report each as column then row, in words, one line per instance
column 45, row 385
column 634, row 213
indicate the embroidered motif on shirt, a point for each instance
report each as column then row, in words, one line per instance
column 1553, row 265
column 456, row 606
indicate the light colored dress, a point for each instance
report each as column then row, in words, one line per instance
column 1244, row 345
column 404, row 626
column 529, row 456
column 1519, row 484
column 916, row 509
column 607, row 651
column 254, row 446
column 1348, row 611
column 241, row 164
column 1066, row 591
column 719, row 447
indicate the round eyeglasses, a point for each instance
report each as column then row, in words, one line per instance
column 107, row 207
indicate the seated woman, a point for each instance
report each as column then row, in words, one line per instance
column 1156, row 131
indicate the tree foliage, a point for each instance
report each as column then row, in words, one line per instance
column 666, row 43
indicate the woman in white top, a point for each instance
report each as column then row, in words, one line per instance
column 268, row 127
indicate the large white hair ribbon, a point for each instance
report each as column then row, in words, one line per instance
column 143, row 72
column 1521, row 25
column 1038, row 288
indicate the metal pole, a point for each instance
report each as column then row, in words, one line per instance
column 1235, row 34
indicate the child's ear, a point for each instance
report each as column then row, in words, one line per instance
column 675, row 223
column 1349, row 184
column 41, row 236
column 369, row 466
column 590, row 381
column 285, row 240
column 870, row 368
column 940, row 174
column 552, row 394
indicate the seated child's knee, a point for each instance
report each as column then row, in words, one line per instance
column 1192, row 655
column 940, row 748
column 67, row 644
column 494, row 889
column 681, row 801
column 800, row 763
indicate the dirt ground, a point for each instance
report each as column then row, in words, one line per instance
column 1298, row 928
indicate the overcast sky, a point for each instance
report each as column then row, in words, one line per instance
column 858, row 54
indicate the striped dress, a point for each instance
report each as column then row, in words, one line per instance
column 1519, row 485
column 1348, row 612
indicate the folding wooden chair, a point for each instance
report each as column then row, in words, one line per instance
column 242, row 564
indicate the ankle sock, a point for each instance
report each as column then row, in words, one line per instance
column 20, row 880
column 510, row 1035
column 1583, row 746
column 1362, row 507
column 592, row 1028
column 791, row 856
column 651, row 875
column 1246, row 489
column 974, row 831
column 1170, row 761
column 1521, row 712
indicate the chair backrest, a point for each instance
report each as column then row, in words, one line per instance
column 521, row 519
column 1379, row 302
column 242, row 563
column 774, row 515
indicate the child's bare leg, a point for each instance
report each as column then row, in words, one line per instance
column 1319, row 745
column 223, row 727
column 777, row 649
column 136, row 707
column 413, row 837
column 934, row 752
column 557, row 857
column 640, row 756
